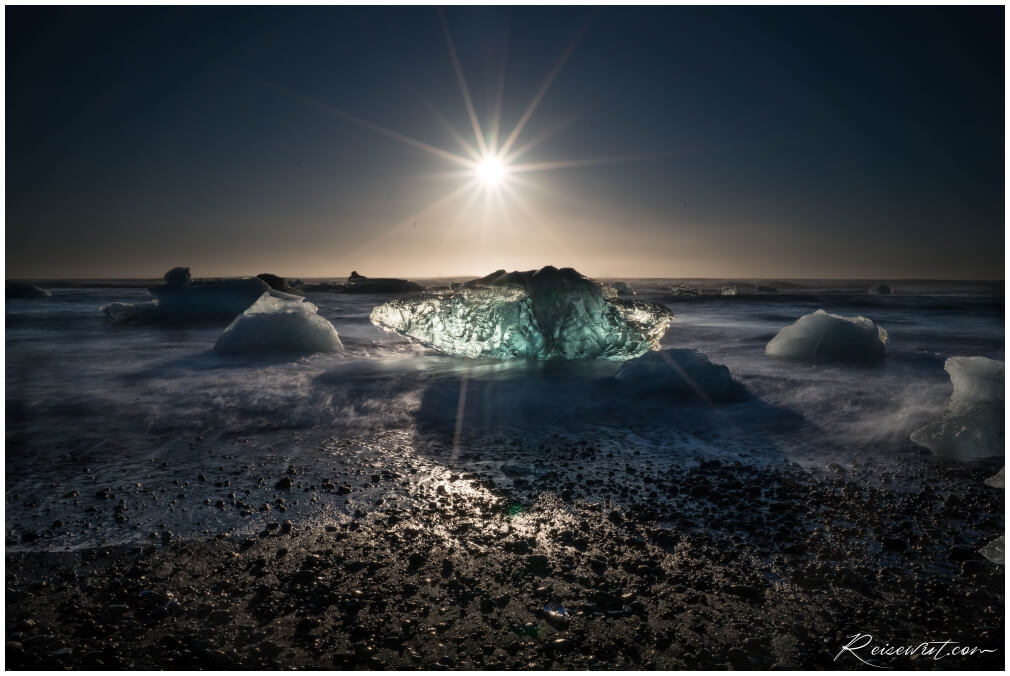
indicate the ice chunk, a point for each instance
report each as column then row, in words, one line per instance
column 682, row 374
column 360, row 284
column 178, row 276
column 727, row 290
column 684, row 290
column 822, row 337
column 279, row 325
column 973, row 425
column 975, row 380
column 880, row 290
column 995, row 551
column 209, row 298
column 290, row 286
column 623, row 289
column 545, row 314
column 997, row 480
column 22, row 290
column 469, row 322
column 131, row 312
column 969, row 435
column 181, row 300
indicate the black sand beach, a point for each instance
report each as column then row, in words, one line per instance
column 581, row 557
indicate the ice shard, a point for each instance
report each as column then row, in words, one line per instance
column 543, row 314
column 973, row 425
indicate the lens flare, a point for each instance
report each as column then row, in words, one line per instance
column 491, row 171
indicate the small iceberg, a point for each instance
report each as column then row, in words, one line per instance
column 24, row 290
column 543, row 314
column 879, row 290
column 177, row 276
column 973, row 425
column 997, row 480
column 685, row 291
column 290, row 286
column 728, row 291
column 686, row 375
column 279, row 325
column 209, row 298
column 360, row 284
column 821, row 337
column 976, row 380
column 181, row 299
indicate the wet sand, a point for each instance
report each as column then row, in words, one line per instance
column 568, row 556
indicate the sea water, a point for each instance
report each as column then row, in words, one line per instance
column 151, row 416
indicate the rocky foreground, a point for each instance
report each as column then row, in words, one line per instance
column 597, row 562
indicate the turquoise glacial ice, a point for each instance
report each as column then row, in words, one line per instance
column 543, row 314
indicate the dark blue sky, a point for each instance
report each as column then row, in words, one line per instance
column 776, row 142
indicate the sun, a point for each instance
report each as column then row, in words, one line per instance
column 491, row 171
column 489, row 163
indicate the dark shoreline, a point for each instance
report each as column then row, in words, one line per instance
column 719, row 565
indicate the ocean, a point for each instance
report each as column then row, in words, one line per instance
column 119, row 432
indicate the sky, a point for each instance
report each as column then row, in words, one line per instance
column 657, row 142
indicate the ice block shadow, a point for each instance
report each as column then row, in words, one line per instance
column 526, row 402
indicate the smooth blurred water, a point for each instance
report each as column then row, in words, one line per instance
column 135, row 401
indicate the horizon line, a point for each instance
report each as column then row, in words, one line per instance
column 51, row 278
